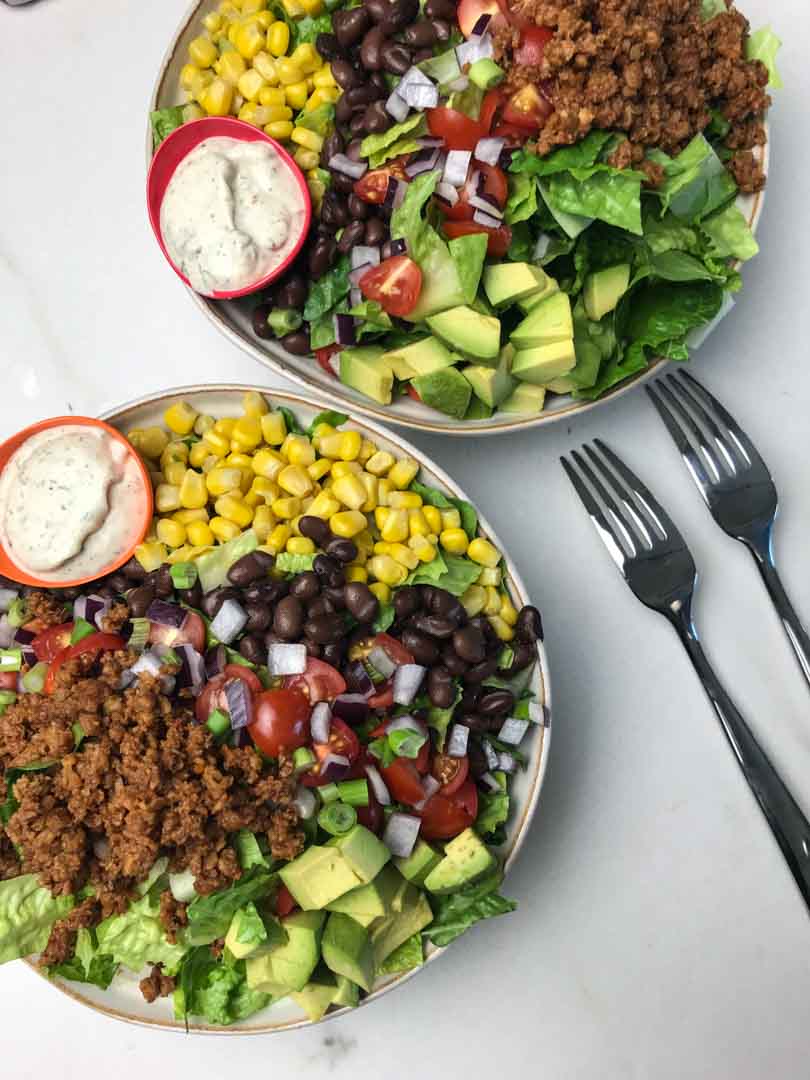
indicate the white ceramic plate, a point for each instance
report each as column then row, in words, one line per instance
column 232, row 318
column 123, row 999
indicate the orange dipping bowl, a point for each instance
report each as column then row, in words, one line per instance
column 9, row 568
column 177, row 146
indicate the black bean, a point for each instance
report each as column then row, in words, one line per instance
column 321, row 258
column 349, row 26
column 529, row 626
column 118, row 582
column 265, row 592
column 345, row 75
column 424, row 650
column 164, row 586
column 395, row 58
column 259, row 322
column 361, row 95
column 420, row 34
column 376, row 118
column 454, row 664
column 252, row 648
column 376, row 231
column 525, row 654
column 440, row 687
column 407, row 600
column 192, row 596
column 334, row 211
column 319, row 606
column 139, row 599
column 353, row 234
column 342, row 549
column 293, row 293
column 314, row 528
column 332, row 144
column 470, row 696
column 325, row 629
column 328, row 47
column 334, row 652
column 358, row 124
column 371, row 50
column 354, row 151
column 473, row 721
column 358, row 210
column 377, row 80
column 259, row 617
column 288, row 618
column 342, row 183
column 441, row 9
column 343, row 114
column 485, row 626
column 271, row 638
column 296, row 343
column 213, row 600
column 442, row 29
column 305, row 586
column 335, row 595
column 386, row 251
column 361, row 601
column 496, row 703
column 324, row 566
column 434, row 625
column 398, row 15
column 133, row 570
column 422, row 54
column 441, row 602
column 313, row 649
column 477, row 759
column 377, row 9
column 246, row 570
column 470, row 644
column 478, row 672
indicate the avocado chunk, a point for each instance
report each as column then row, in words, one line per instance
column 316, row 997
column 346, row 949
column 419, row 863
column 544, row 362
column 318, row 876
column 289, row 966
column 370, row 902
column 389, row 933
column 472, row 333
column 492, row 385
column 347, row 992
column 477, row 410
column 365, row 369
column 446, row 390
column 364, row 853
column 246, row 933
column 507, row 282
column 465, row 860
column 525, row 398
column 422, row 358
column 550, row 321
column 584, row 373
column 533, row 299
column 603, row 289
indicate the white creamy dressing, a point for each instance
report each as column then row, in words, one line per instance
column 72, row 501
column 231, row 213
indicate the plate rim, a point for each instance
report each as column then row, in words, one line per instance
column 116, row 415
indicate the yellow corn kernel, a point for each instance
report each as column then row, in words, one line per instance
column 186, row 517
column 277, row 540
column 270, row 98
column 319, row 432
column 278, row 38
column 508, row 612
column 296, row 95
column 364, row 541
column 223, row 529
column 202, row 52
column 403, row 473
column 253, row 404
column 356, row 573
column 203, row 423
column 323, row 77
column 293, row 8
column 369, row 482
column 228, row 9
column 346, row 468
column 167, row 498
column 232, row 31
column 381, row 516
column 503, row 630
column 381, row 591
column 387, row 570
column 490, row 576
column 279, row 129
column 300, row 545
column 451, row 519
column 267, row 463
column 433, row 517
column 312, row 7
column 265, row 19
column 305, row 159
column 295, row 480
column 382, row 548
column 343, row 445
column 180, row 418
column 407, row 500
column 325, row 506
column 417, row 523
column 287, row 508
column 225, row 426
column 319, row 468
column 384, row 488
column 250, row 85
column 151, row 555
column 212, row 21
column 193, row 492
column 197, row 454
column 239, row 459
column 234, row 509
column 154, row 441
column 264, row 521
column 404, row 555
column 253, row 7
column 250, row 39
column 216, row 442
column 248, row 113
column 422, row 548
column 174, row 451
column 307, row 58
column 221, row 480
column 135, row 437
column 217, row 98
column 322, row 96
column 199, row 534
column 211, row 462
column 272, row 114
column 347, row 523
column 171, row 533
column 188, row 73
column 274, row 428
column 200, row 83
column 351, row 491
column 454, row 540
column 484, row 553
column 473, row 600
column 493, row 601
column 310, row 140
column 247, row 433
column 174, row 472
column 298, row 450
column 395, row 526
column 230, row 67
column 265, row 66
column 192, row 112
column 367, row 451
column 264, row 489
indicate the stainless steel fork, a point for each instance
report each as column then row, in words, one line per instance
column 734, row 481
column 653, row 558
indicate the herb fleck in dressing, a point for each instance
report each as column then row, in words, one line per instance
column 231, row 213
column 71, row 503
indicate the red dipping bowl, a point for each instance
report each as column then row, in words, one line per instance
column 177, row 146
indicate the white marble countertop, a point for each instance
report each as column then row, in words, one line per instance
column 659, row 933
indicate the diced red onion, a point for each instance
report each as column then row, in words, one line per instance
column 6, row 632
column 489, row 149
column 456, row 166
column 193, row 670
column 400, row 834
column 353, row 708
column 364, row 255
column 358, row 272
column 457, row 742
column 23, row 637
column 91, row 608
column 506, row 763
column 334, row 767
column 484, row 203
column 407, row 680
column 215, row 660
column 539, row 714
column 305, row 802
column 481, row 24
column 458, row 84
column 343, row 164
column 447, row 193
column 283, row 659
column 398, row 247
column 430, row 140
column 378, row 785
column 430, row 785
column 475, row 49
column 406, row 723
column 491, row 754
column 358, row 679
column 513, row 730
column 344, row 329
column 319, row 723
column 395, row 193
column 422, row 161
column 480, row 217
column 229, row 621
column 490, row 782
column 397, row 107
column 164, row 614
column 240, row 703
column 355, row 298
column 382, row 662
column 7, row 598
column 507, row 154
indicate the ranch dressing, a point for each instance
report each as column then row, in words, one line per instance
column 72, row 501
column 231, row 213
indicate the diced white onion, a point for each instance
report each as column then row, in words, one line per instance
column 506, row 763
column 229, row 621
column 382, row 662
column 407, row 680
column 286, row 659
column 430, row 785
column 400, row 834
column 319, row 723
column 456, row 166
column 343, row 164
column 407, row 723
column 7, row 598
column 362, row 254
column 457, row 742
column 397, row 107
column 491, row 754
column 305, row 802
column 513, row 730
column 378, row 785
column 491, row 782
column 489, row 149
column 537, row 713
column 181, row 887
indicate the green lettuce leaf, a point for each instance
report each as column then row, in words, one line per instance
column 320, row 120
column 457, row 912
column 679, row 266
column 729, row 235
column 327, row 291
column 408, row 956
column 764, row 45
column 307, row 29
column 454, row 573
column 27, row 913
column 571, row 224
column 248, row 851
column 291, row 420
column 137, row 937
column 87, row 965
column 385, row 617
column 609, row 195
column 696, row 181
column 522, row 201
column 468, row 254
column 215, row 991
column 433, row 497
column 329, row 416
column 10, row 805
column 164, row 121
column 493, row 808
column 250, row 929
column 581, row 155
column 379, row 148
column 294, row 564
column 662, row 313
column 210, row 916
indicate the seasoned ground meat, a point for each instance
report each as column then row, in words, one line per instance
column 115, row 618
column 62, row 941
column 651, row 68
column 172, row 915
column 9, row 863
column 156, row 985
column 147, row 781
column 47, row 609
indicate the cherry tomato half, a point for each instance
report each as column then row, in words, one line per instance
column 395, row 284
column 319, row 682
column 495, row 184
column 527, row 109
column 372, row 187
column 451, row 772
column 445, row 816
column 91, row 644
column 285, row 903
column 470, row 11
column 395, row 649
column 323, row 355
column 403, row 781
column 8, row 680
column 192, row 632
column 499, row 239
column 533, row 41
column 281, row 721
column 370, row 816
column 50, row 642
column 342, row 741
column 458, row 130
column 213, row 693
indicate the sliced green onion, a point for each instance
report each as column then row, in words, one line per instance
column 329, row 793
column 81, row 629
column 140, row 634
column 406, row 742
column 303, row 759
column 170, row 657
column 376, row 676
column 183, row 575
column 18, row 612
column 337, row 818
column 34, row 679
column 7, row 697
column 354, row 792
column 10, row 659
column 219, row 722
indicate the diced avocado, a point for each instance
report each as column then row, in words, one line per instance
column 492, row 385
column 389, row 933
column 507, row 282
column 419, row 863
column 544, row 362
column 260, row 978
column 246, row 933
column 364, row 368
column 316, row 997
column 603, row 289
column 441, row 285
column 473, row 334
column 292, row 964
column 346, row 949
column 466, row 858
column 531, row 301
column 545, row 324
column 482, row 305
column 525, row 398
column 347, row 992
column 446, row 390
column 364, row 853
column 584, row 373
column 477, row 410
column 370, row 901
column 318, row 876
column 421, row 358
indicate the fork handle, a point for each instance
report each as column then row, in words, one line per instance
column 797, row 635
column 788, row 824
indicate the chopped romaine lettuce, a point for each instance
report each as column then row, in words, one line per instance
column 763, row 45
column 458, row 911
column 27, row 913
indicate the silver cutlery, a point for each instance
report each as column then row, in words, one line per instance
column 653, row 558
column 734, row 481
